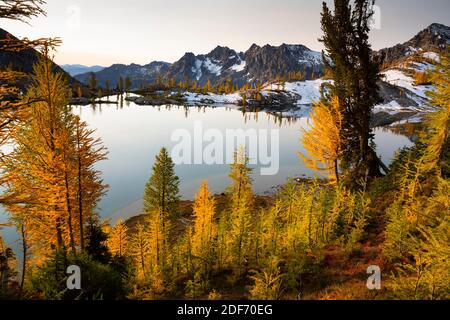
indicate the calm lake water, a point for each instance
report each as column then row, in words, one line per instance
column 134, row 135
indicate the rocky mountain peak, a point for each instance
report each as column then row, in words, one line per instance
column 440, row 29
column 253, row 47
column 223, row 55
column 435, row 37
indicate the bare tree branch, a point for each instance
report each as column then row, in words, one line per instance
column 21, row 10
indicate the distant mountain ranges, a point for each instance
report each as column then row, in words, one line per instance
column 138, row 74
column 76, row 69
column 257, row 64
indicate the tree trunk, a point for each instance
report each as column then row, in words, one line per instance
column 69, row 212
column 24, row 260
column 59, row 237
column 80, row 191
column 336, row 172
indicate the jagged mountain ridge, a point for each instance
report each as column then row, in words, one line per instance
column 138, row 74
column 258, row 64
column 435, row 37
column 218, row 65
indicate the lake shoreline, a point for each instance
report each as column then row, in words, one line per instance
column 278, row 102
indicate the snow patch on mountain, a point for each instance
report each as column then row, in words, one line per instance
column 212, row 67
column 239, row 66
column 312, row 57
column 197, row 70
column 422, row 66
column 400, row 79
column 208, row 64
column 432, row 56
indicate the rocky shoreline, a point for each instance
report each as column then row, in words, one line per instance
column 86, row 102
column 279, row 103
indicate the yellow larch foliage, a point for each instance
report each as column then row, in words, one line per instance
column 118, row 239
column 159, row 248
column 438, row 151
column 240, row 224
column 139, row 249
column 205, row 228
column 50, row 173
column 322, row 140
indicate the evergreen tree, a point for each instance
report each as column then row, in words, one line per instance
column 355, row 73
column 97, row 240
column 99, row 281
column 162, row 189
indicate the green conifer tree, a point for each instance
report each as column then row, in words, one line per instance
column 355, row 73
column 162, row 189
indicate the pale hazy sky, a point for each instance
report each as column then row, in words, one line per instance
column 104, row 32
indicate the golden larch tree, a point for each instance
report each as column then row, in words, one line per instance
column 50, row 172
column 322, row 141
column 118, row 239
column 139, row 249
column 205, row 227
column 159, row 248
column 241, row 195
